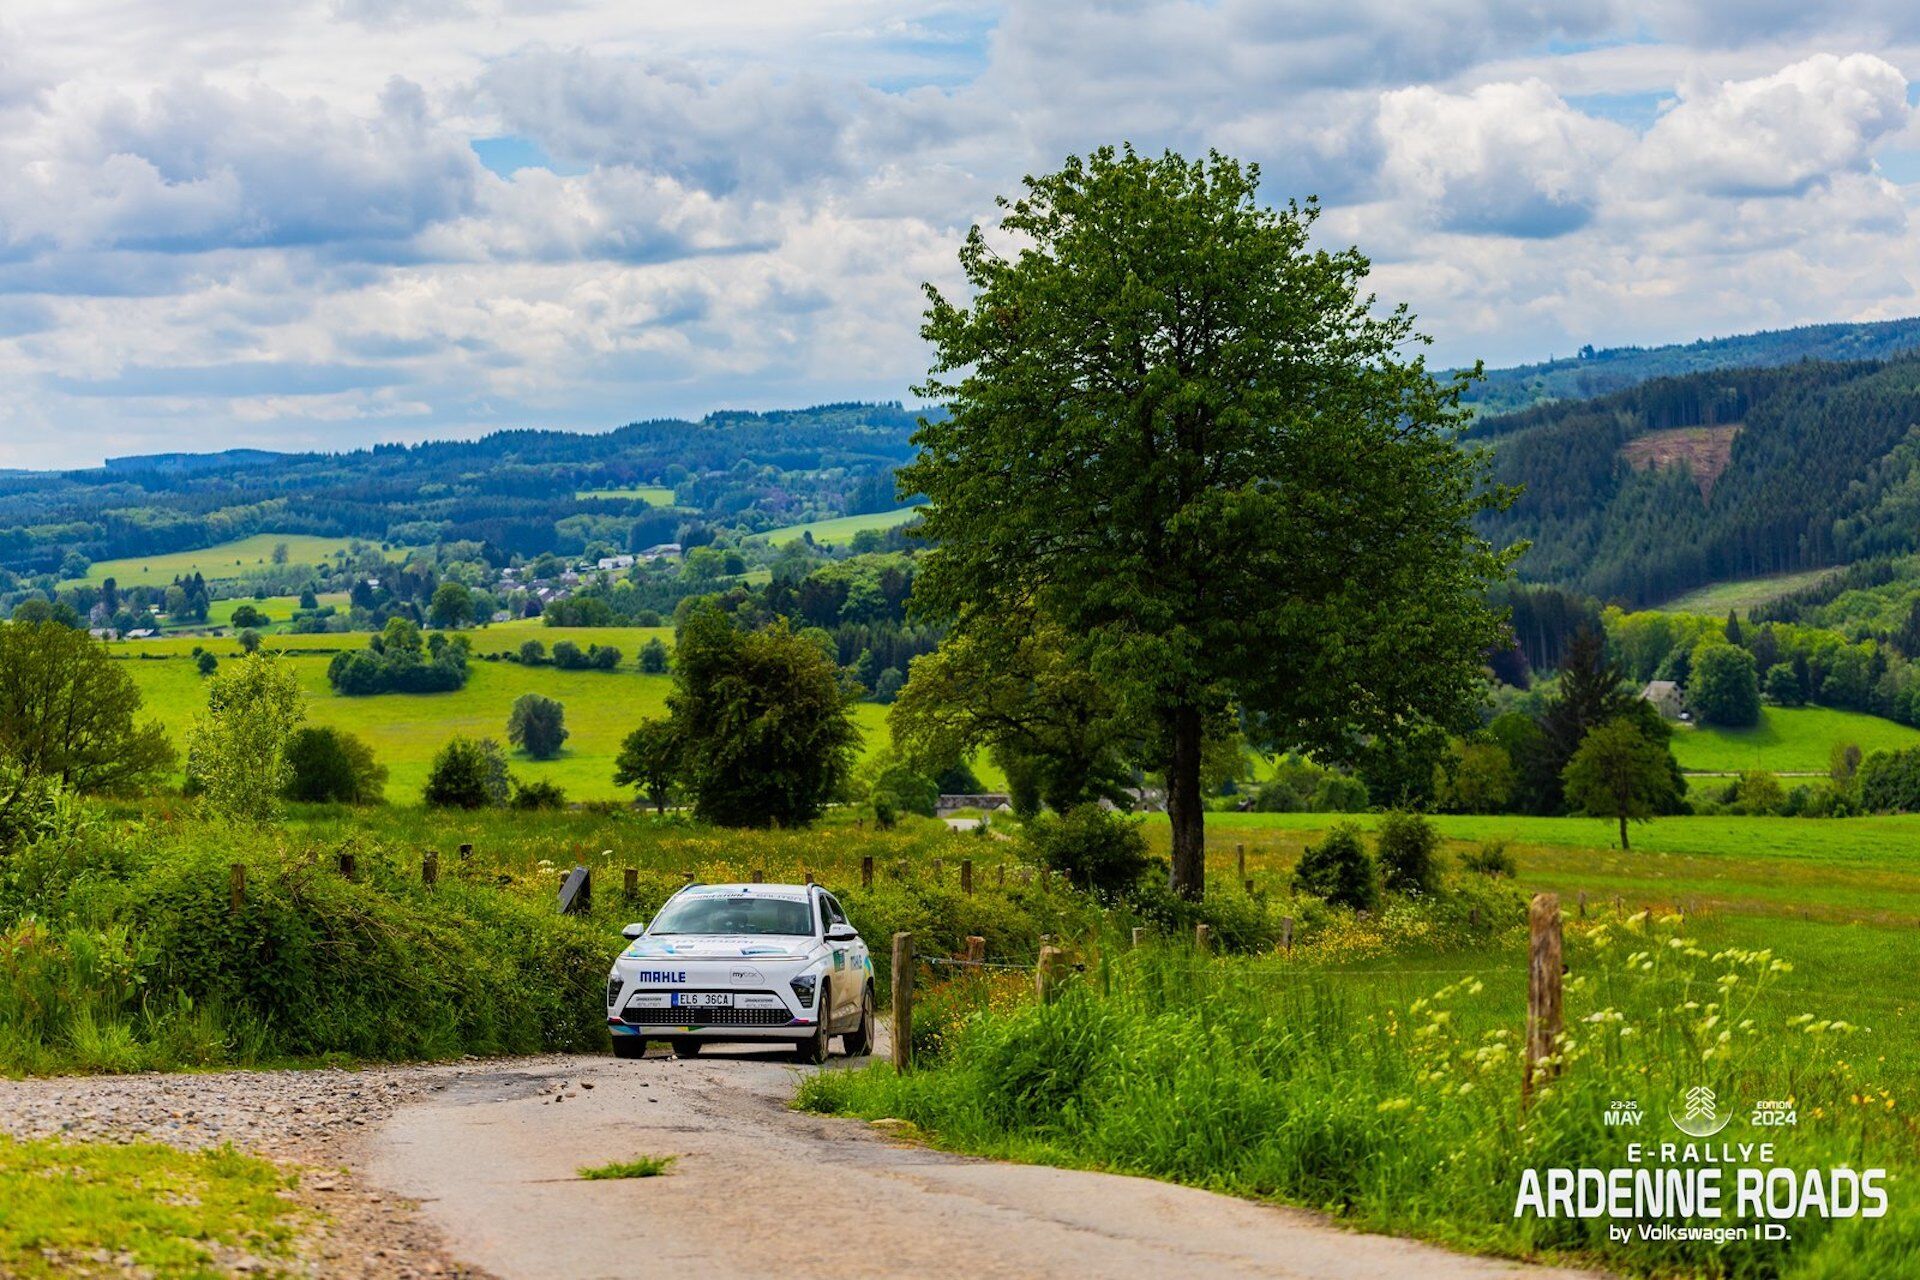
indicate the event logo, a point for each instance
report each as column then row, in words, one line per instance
column 1701, row 1117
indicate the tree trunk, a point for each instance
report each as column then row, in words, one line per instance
column 1185, row 813
column 1623, row 833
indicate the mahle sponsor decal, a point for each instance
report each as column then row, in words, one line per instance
column 1672, row 1190
column 660, row 975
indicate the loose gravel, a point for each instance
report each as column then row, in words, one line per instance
column 314, row 1122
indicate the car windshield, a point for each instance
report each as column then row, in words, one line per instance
column 730, row 915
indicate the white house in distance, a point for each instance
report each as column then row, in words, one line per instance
column 1668, row 698
column 611, row 563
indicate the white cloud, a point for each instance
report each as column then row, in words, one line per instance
column 1504, row 159
column 1777, row 134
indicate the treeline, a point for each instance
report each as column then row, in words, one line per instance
column 512, row 491
column 1823, row 470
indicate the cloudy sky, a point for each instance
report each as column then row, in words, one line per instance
column 321, row 223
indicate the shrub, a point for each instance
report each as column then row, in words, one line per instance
column 540, row 793
column 248, row 616
column 469, row 773
column 237, row 749
column 328, row 765
column 205, row 663
column 1097, row 848
column 537, row 725
column 1491, row 859
column 398, row 660
column 1339, row 871
column 532, row 653
column 1890, row 781
column 902, row 790
column 653, row 657
column 1406, row 850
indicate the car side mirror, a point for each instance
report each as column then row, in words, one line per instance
column 633, row 931
column 842, row 933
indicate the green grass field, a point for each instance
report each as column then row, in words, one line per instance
column 405, row 730
column 653, row 495
column 227, row 560
column 1787, row 740
column 1745, row 594
column 842, row 528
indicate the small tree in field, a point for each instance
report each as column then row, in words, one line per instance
column 537, row 725
column 1406, row 850
column 1619, row 773
column 1186, row 437
column 328, row 765
column 469, row 773
column 67, row 712
column 650, row 760
column 653, row 657
column 237, row 749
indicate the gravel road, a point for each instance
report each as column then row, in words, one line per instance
column 469, row 1170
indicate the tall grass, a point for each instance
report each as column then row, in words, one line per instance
column 1335, row 1086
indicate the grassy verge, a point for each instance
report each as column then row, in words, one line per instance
column 82, row 1209
column 1384, row 1090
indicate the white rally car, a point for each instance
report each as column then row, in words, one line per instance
column 743, row 962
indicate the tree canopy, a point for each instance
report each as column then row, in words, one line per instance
column 67, row 712
column 1190, row 440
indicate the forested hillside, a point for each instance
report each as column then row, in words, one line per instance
column 1772, row 470
column 1594, row 373
column 522, row 492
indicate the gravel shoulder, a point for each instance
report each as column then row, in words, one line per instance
column 470, row 1170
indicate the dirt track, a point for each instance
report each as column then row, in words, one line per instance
column 760, row 1190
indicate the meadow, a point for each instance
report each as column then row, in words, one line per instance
column 1787, row 740
column 654, row 495
column 224, row 560
column 1716, row 599
column 842, row 528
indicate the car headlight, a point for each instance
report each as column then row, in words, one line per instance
column 803, row 988
column 613, row 988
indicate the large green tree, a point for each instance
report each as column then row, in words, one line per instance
column 237, row 749
column 1190, row 439
column 763, row 722
column 67, row 712
column 1620, row 773
column 1724, row 687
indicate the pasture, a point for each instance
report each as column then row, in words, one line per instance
column 1717, row 598
column 225, row 560
column 654, row 495
column 1787, row 740
column 406, row 729
column 842, row 528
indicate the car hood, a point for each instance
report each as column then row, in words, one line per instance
column 719, row 947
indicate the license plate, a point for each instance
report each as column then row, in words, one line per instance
column 703, row 1000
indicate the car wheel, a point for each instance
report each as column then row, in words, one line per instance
column 814, row 1048
column 629, row 1047
column 686, row 1048
column 859, row 1042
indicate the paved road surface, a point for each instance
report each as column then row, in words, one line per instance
column 760, row 1190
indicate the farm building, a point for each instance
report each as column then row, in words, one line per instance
column 1666, row 697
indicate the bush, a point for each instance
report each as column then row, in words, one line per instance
column 1406, row 850
column 1339, row 871
column 1491, row 859
column 332, row 766
column 1096, row 848
column 532, row 653
column 1890, row 781
column 469, row 773
column 653, row 657
column 540, row 793
column 398, row 660
column 901, row 790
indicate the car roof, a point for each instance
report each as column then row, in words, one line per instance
column 748, row 890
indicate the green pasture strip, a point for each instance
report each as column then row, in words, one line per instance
column 1746, row 593
column 841, row 528
column 224, row 560
column 1787, row 740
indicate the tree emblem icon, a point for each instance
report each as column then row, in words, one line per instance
column 1701, row 1116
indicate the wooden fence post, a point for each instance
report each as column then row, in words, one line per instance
column 1583, row 904
column 236, row 887
column 809, row 877
column 1286, row 933
column 976, row 949
column 686, row 877
column 632, row 884
column 1043, row 973
column 1249, row 888
column 1139, row 936
column 466, row 850
column 1202, row 936
column 759, row 876
column 1543, row 989
column 902, row 1001
column 866, row 871
column 1240, row 858
column 999, row 875
column 349, row 866
column 430, row 868
column 966, row 876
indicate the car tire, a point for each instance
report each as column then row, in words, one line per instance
column 815, row 1047
column 629, row 1047
column 687, row 1048
column 858, row 1042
